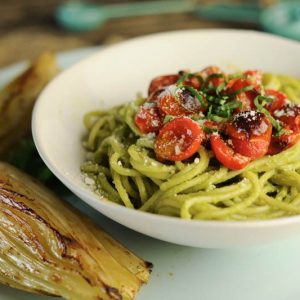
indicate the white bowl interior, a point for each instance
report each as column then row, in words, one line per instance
column 115, row 75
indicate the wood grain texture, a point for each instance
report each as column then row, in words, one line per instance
column 27, row 28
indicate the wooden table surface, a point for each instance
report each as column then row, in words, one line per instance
column 28, row 27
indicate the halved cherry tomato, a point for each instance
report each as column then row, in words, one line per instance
column 283, row 142
column 178, row 140
column 255, row 76
column 148, row 119
column 289, row 115
column 158, row 84
column 245, row 97
column 154, row 96
column 209, row 71
column 169, row 104
column 162, row 81
column 194, row 82
column 254, row 147
column 237, row 84
column 176, row 102
column 245, row 123
column 213, row 125
column 250, row 133
column 213, row 81
column 278, row 100
column 210, row 127
column 226, row 156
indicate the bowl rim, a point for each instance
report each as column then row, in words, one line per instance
column 92, row 198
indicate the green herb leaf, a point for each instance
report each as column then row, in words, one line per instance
column 196, row 94
column 197, row 118
column 211, row 115
column 220, row 88
column 217, row 119
column 212, row 76
column 209, row 130
column 262, row 91
column 187, row 76
column 182, row 78
column 242, row 90
column 167, row 119
column 260, row 107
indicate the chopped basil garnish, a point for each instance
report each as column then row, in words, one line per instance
column 220, row 88
column 260, row 107
column 182, row 78
column 168, row 118
column 242, row 90
column 187, row 76
column 209, row 130
column 221, row 105
column 198, row 94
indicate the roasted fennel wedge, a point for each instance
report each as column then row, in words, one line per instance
column 47, row 247
column 18, row 97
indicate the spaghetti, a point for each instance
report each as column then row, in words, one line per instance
column 123, row 166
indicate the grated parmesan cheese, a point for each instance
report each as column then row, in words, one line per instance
column 177, row 150
column 196, row 160
column 89, row 181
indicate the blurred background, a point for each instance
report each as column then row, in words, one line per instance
column 27, row 27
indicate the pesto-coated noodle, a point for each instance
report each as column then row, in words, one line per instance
column 124, row 169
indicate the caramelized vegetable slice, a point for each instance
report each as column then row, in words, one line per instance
column 47, row 247
column 18, row 97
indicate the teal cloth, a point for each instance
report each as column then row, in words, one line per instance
column 282, row 18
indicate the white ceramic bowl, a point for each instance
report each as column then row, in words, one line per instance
column 114, row 75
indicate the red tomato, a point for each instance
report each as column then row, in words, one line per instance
column 162, row 81
column 254, row 147
column 250, row 133
column 209, row 71
column 148, row 119
column 247, row 97
column 278, row 98
column 233, row 132
column 213, row 125
column 194, row 82
column 214, row 81
column 237, row 84
column 247, row 100
column 283, row 142
column 169, row 104
column 226, row 156
column 178, row 140
column 289, row 115
column 255, row 76
column 230, row 84
column 178, row 102
column 154, row 96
